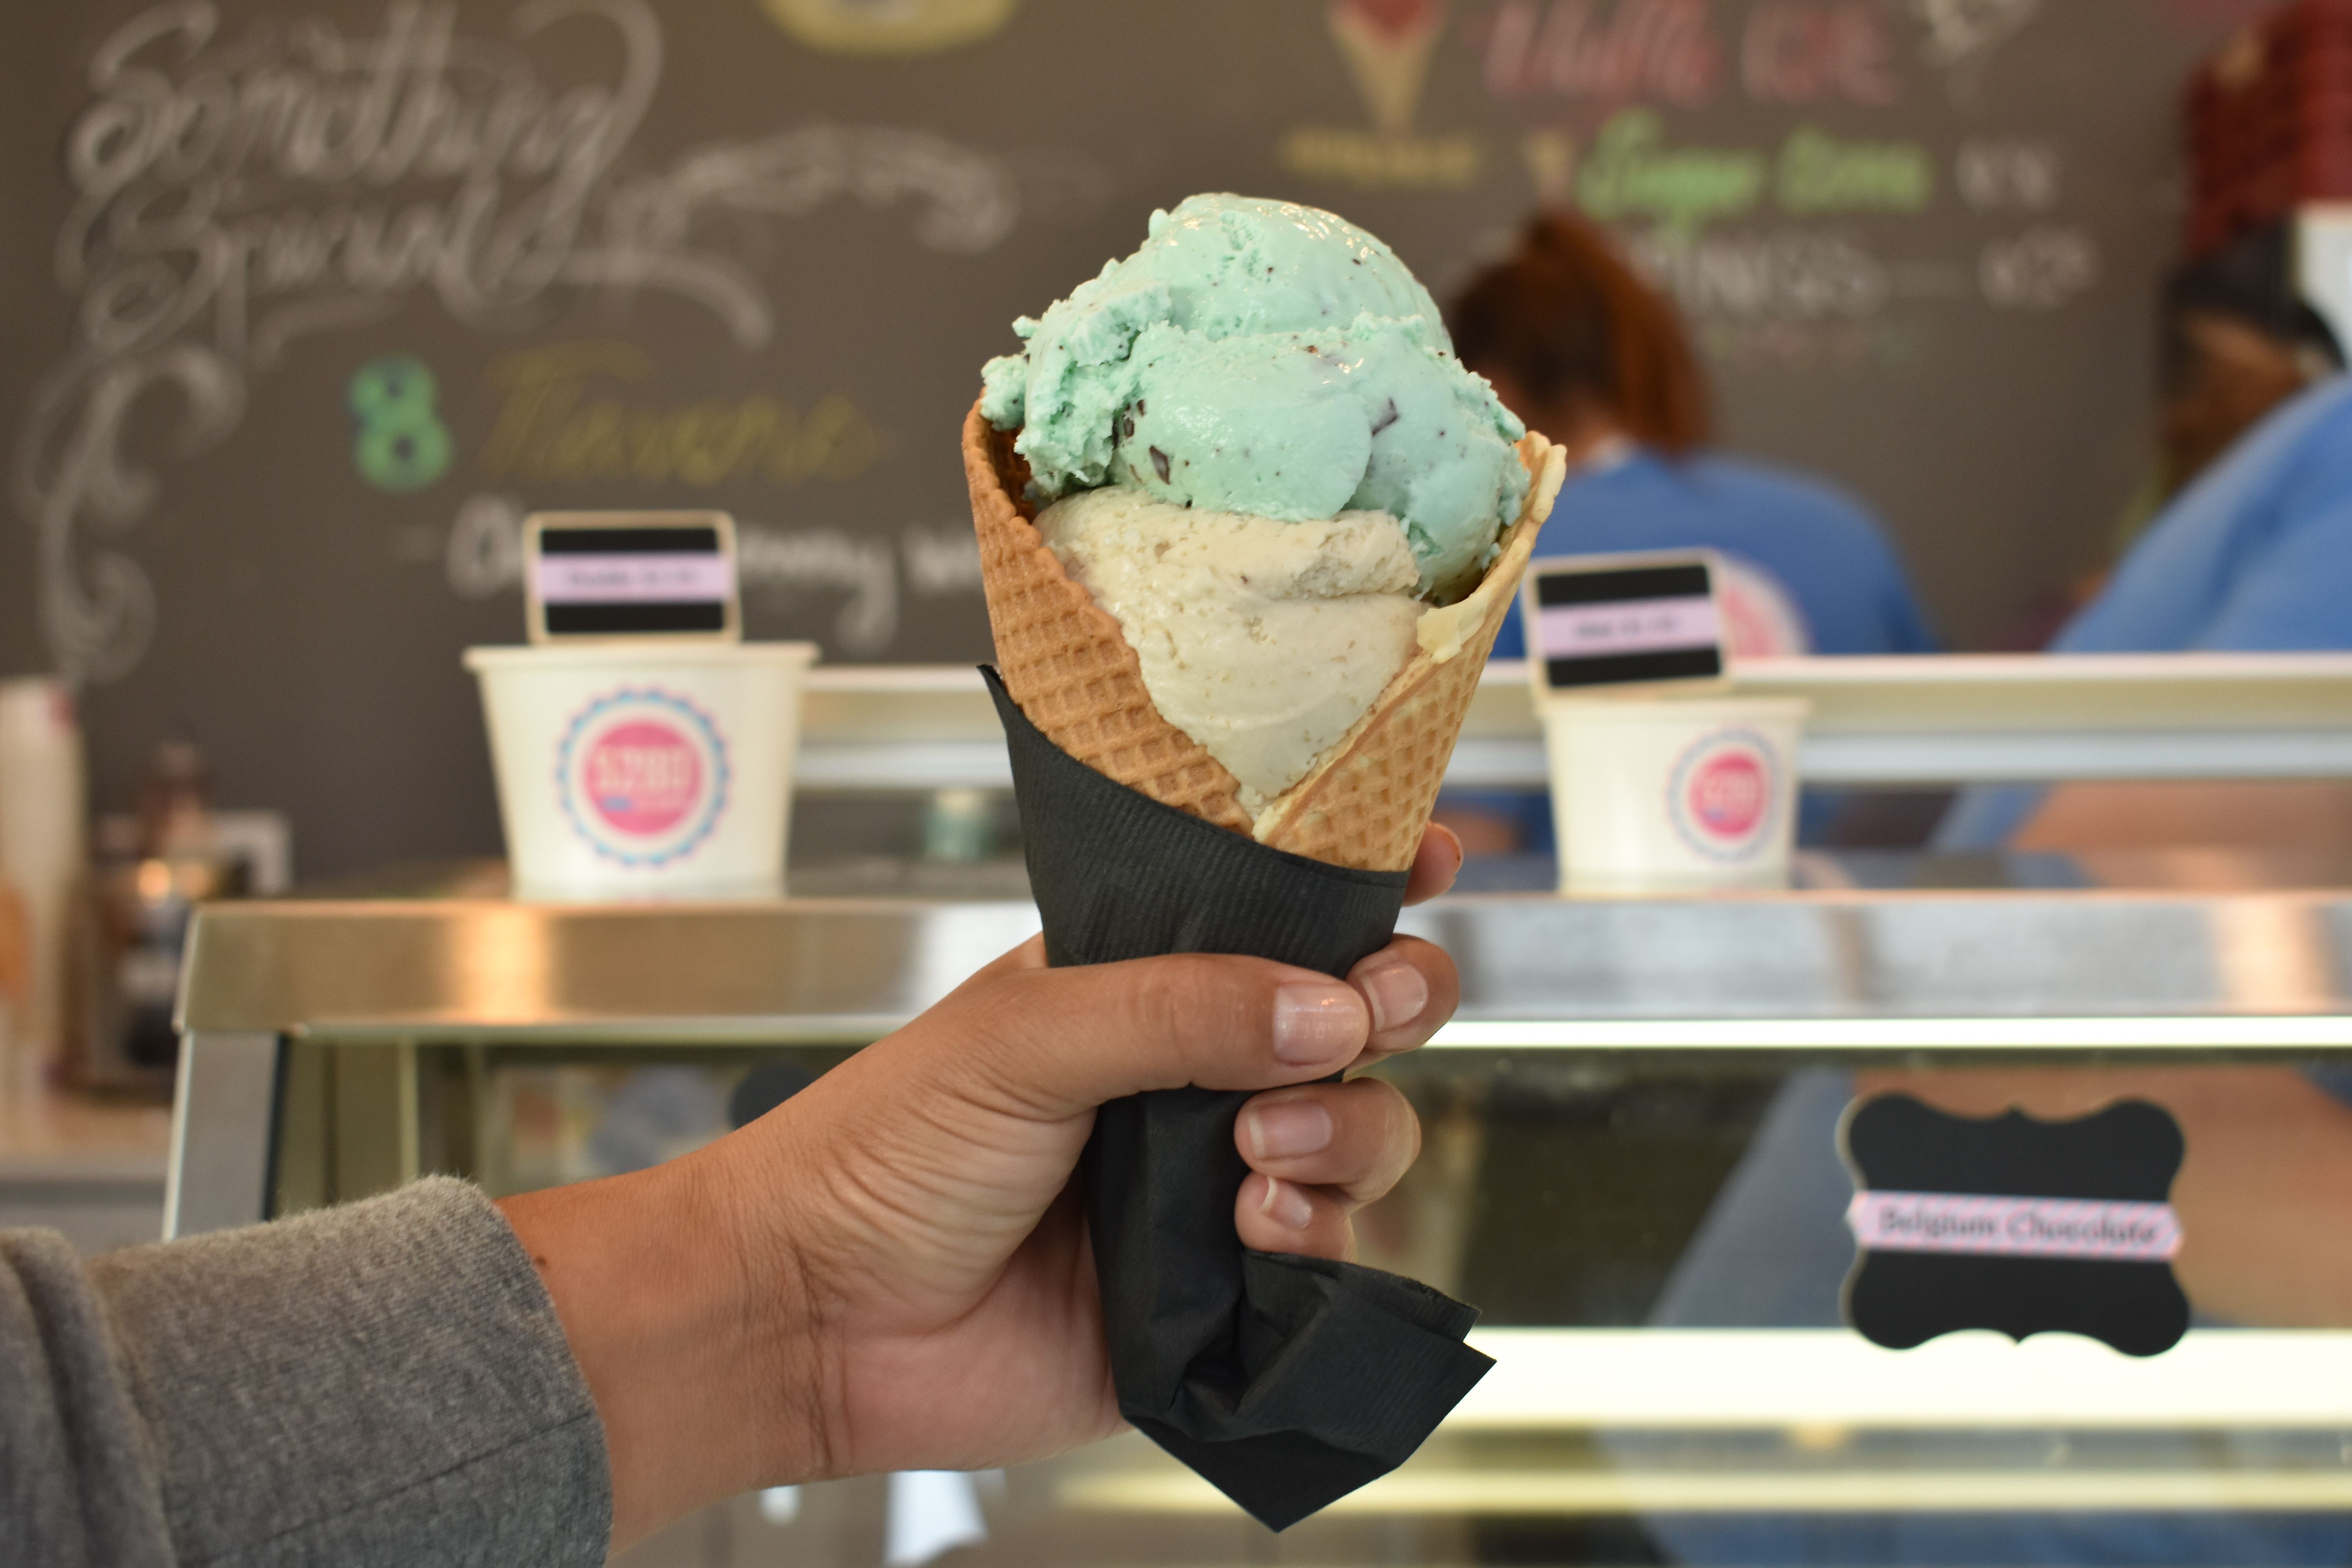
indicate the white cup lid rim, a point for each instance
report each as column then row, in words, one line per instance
column 1661, row 710
column 639, row 654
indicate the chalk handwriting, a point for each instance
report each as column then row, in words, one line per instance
column 1376, row 161
column 1994, row 175
column 560, row 417
column 1783, row 274
column 1783, row 347
column 230, row 196
column 1645, row 50
column 483, row 557
column 399, row 443
column 1819, row 173
column 1668, row 52
column 1631, row 172
column 778, row 562
column 484, row 553
column 1962, row 36
column 73, row 471
column 942, row 562
column 2039, row 270
column 1803, row 51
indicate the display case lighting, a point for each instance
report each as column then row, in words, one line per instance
column 2234, row 1032
column 1418, row 1490
column 1815, row 1378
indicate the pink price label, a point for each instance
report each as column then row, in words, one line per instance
column 1640, row 625
column 1996, row 1226
column 652, row 577
column 643, row 777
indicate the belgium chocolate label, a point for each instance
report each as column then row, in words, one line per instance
column 2013, row 1223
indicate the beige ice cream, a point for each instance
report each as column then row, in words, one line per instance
column 1263, row 641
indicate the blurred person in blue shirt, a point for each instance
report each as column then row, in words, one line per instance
column 2251, row 551
column 1582, row 350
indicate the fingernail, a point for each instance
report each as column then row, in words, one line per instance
column 1287, row 1205
column 1454, row 840
column 1313, row 1023
column 1396, row 991
column 1283, row 1130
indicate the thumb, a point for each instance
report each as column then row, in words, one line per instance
column 1055, row 1043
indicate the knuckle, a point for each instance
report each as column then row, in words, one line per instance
column 1193, row 1000
column 988, row 1049
column 995, row 1014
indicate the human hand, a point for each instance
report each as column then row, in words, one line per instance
column 892, row 1270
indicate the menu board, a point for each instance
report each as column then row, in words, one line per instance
column 307, row 303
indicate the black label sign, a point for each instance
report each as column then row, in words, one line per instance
column 2013, row 1223
column 1619, row 620
column 630, row 574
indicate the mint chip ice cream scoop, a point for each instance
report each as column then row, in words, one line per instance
column 1267, row 359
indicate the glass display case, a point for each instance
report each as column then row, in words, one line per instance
column 1631, row 1166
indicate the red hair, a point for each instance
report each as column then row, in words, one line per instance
column 1565, row 316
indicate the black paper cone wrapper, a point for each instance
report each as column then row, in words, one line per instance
column 1285, row 1381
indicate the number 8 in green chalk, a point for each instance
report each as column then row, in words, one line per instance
column 401, row 444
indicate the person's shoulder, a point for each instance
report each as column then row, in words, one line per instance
column 2294, row 464
column 2326, row 404
column 2318, row 424
column 2306, row 438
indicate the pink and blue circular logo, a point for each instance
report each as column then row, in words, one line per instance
column 1724, row 794
column 643, row 775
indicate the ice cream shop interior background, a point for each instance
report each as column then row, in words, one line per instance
column 306, row 305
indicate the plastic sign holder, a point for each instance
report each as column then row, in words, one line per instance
column 1638, row 622
column 605, row 576
column 2013, row 1223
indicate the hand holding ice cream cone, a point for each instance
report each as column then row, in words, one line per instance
column 1248, row 529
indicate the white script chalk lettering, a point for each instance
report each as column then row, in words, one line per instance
column 231, row 196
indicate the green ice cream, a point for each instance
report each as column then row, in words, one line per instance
column 1265, row 358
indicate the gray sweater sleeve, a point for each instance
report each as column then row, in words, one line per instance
column 384, row 1383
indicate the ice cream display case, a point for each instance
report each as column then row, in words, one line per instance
column 1632, row 1165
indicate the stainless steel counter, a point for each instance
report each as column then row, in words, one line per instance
column 1909, row 719
column 1847, row 974
column 1616, row 1064
column 844, row 969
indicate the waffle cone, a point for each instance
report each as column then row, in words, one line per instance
column 1065, row 660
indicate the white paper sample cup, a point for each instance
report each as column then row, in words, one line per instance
column 1659, row 793
column 643, row 771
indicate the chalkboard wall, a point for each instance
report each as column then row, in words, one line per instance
column 305, row 303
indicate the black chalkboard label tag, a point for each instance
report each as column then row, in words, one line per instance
column 2013, row 1223
column 1646, row 619
column 602, row 575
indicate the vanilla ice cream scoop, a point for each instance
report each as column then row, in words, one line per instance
column 1263, row 640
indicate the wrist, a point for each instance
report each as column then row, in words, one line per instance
column 682, row 1311
column 781, row 1339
